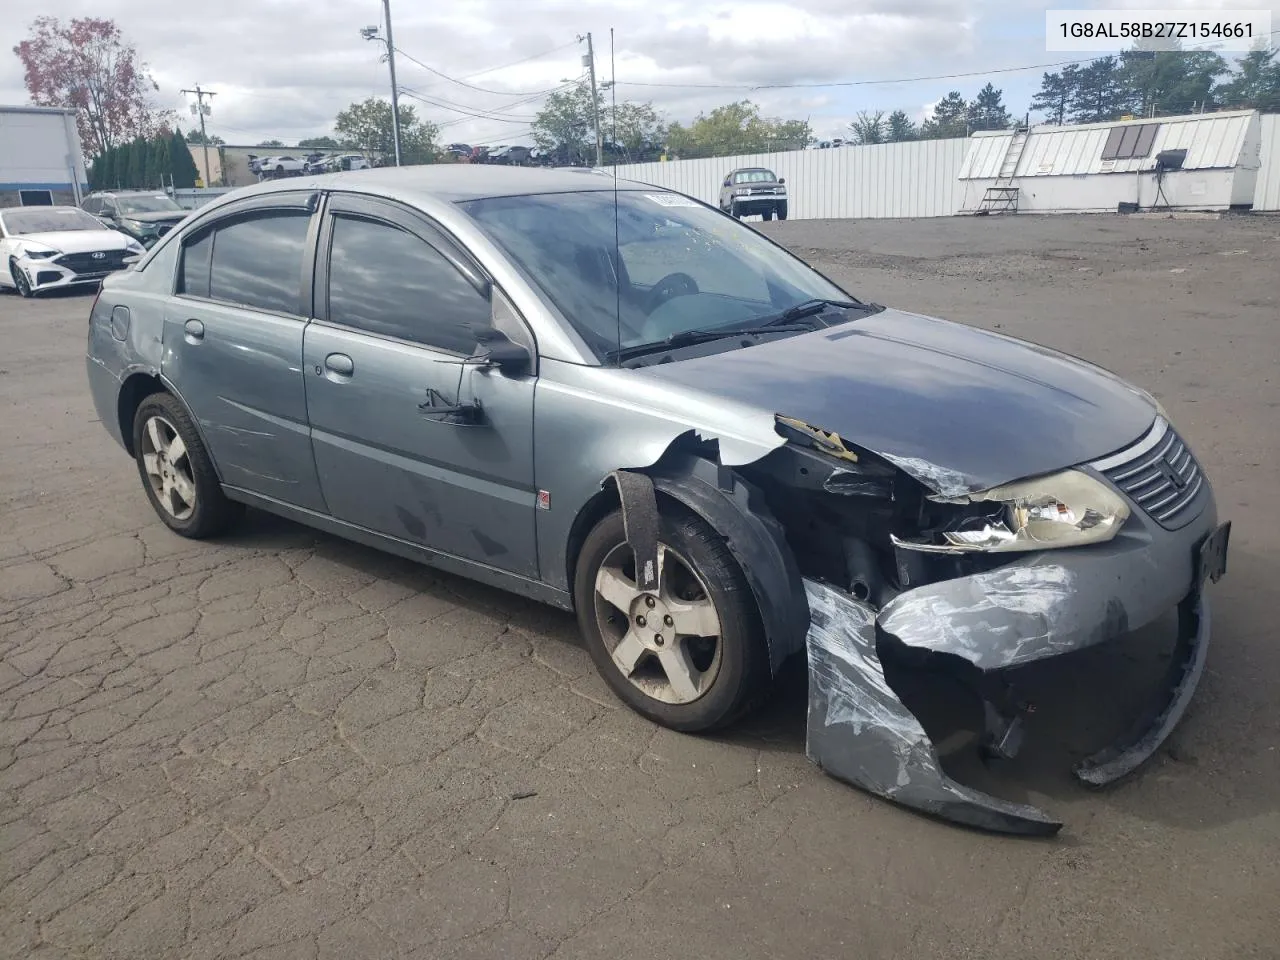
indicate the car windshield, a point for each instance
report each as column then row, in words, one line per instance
column 754, row 176
column 676, row 265
column 158, row 203
column 48, row 220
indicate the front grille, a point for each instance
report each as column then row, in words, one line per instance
column 1160, row 475
column 92, row 263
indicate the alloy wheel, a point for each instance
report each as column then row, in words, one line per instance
column 168, row 468
column 667, row 644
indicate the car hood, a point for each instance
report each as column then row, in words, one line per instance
column 958, row 408
column 167, row 216
column 77, row 241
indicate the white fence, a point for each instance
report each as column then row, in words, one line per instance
column 918, row 179
column 1266, row 195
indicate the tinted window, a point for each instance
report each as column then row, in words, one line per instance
column 92, row 205
column 195, row 266
column 257, row 261
column 387, row 281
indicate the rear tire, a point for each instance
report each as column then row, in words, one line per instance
column 177, row 473
column 711, row 681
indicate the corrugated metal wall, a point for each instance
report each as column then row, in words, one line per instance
column 887, row 180
column 1266, row 195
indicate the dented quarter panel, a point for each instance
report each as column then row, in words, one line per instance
column 957, row 408
column 1049, row 603
column 860, row 732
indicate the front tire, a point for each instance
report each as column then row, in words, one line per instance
column 782, row 211
column 176, row 471
column 20, row 281
column 767, row 214
column 693, row 656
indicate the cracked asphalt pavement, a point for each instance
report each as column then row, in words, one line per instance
column 280, row 745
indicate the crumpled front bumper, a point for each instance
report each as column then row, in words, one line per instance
column 1039, row 606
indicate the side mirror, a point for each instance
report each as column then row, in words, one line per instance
column 495, row 348
column 782, row 179
column 727, row 183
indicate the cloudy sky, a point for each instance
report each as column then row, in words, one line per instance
column 283, row 68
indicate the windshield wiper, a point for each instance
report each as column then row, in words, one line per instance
column 807, row 308
column 687, row 338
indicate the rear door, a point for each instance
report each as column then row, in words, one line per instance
column 396, row 301
column 233, row 343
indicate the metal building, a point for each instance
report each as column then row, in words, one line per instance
column 1197, row 162
column 41, row 162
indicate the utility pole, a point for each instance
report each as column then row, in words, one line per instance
column 590, row 60
column 200, row 110
column 395, row 94
column 371, row 33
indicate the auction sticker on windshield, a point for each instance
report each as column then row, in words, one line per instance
column 671, row 200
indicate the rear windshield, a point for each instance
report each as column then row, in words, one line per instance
column 48, row 220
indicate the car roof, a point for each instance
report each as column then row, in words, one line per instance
column 449, row 182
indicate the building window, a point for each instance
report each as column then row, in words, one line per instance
column 1130, row 142
column 35, row 198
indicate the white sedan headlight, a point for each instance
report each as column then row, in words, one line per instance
column 1067, row 509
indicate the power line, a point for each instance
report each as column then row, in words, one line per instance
column 513, row 63
column 471, row 86
column 477, row 112
column 865, row 83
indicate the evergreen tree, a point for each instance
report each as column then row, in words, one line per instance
column 1056, row 94
column 137, row 164
column 900, row 128
column 1101, row 93
column 1256, row 85
column 987, row 111
column 950, row 118
column 181, row 166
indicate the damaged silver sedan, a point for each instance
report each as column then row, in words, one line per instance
column 620, row 401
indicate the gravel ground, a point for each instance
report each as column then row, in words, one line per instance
column 280, row 745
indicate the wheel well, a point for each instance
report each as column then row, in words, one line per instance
column 134, row 390
column 595, row 510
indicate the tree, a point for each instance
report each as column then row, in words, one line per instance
column 271, row 143
column 366, row 126
column 1101, row 93
column 86, row 65
column 196, row 137
column 1169, row 81
column 157, row 162
column 636, row 130
column 317, row 143
column 950, row 118
column 868, row 128
column 182, row 166
column 987, row 111
column 565, row 126
column 1255, row 85
column 137, row 163
column 899, row 128
column 1056, row 94
column 736, row 128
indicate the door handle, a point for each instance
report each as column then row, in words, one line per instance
column 340, row 364
column 194, row 330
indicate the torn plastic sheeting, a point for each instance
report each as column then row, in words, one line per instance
column 996, row 619
column 860, row 732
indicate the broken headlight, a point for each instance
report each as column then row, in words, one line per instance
column 1067, row 509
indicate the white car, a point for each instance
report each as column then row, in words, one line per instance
column 275, row 166
column 53, row 248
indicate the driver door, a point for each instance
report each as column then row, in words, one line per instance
column 397, row 301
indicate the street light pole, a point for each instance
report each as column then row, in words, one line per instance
column 395, row 93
